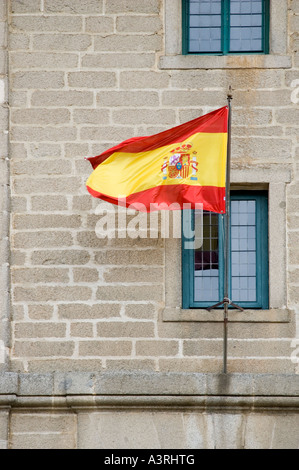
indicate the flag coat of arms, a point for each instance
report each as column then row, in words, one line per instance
column 182, row 165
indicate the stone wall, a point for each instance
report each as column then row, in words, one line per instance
column 5, row 340
column 84, row 76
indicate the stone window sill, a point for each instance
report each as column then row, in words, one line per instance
column 225, row 62
column 274, row 315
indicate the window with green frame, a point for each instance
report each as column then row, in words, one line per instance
column 203, row 265
column 225, row 26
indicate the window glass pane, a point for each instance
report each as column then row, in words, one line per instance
column 205, row 26
column 205, row 21
column 230, row 26
column 206, row 260
column 243, row 251
column 243, row 255
column 246, row 26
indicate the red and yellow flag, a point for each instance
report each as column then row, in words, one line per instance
column 185, row 164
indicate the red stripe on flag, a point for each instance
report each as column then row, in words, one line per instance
column 212, row 198
column 214, row 122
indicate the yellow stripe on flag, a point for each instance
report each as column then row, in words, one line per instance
column 123, row 174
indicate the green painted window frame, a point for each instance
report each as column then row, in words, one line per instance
column 262, row 270
column 225, row 30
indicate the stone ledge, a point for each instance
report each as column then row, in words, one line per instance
column 152, row 402
column 274, row 315
column 147, row 384
column 225, row 62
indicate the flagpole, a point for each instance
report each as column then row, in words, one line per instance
column 227, row 234
column 226, row 249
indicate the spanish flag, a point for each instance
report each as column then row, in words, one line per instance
column 185, row 164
